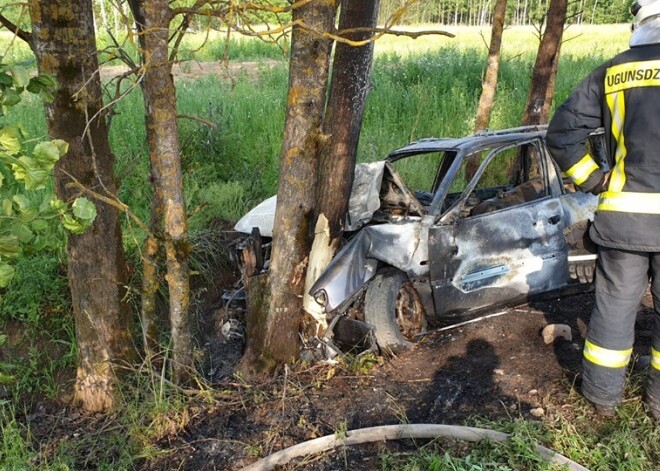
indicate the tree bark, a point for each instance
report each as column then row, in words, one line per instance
column 489, row 84
column 292, row 233
column 64, row 43
column 165, row 156
column 343, row 120
column 151, row 253
column 545, row 59
column 550, row 92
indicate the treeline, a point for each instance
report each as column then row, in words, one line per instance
column 112, row 15
column 519, row 12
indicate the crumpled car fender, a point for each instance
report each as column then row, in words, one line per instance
column 403, row 245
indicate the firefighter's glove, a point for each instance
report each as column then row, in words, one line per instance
column 579, row 243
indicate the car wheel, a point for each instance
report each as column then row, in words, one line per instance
column 393, row 307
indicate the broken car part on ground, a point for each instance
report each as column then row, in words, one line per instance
column 426, row 243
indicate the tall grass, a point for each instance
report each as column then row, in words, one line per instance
column 420, row 88
column 424, row 87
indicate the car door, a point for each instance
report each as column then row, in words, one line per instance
column 502, row 241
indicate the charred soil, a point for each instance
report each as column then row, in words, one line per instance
column 497, row 368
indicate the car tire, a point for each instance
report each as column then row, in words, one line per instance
column 393, row 307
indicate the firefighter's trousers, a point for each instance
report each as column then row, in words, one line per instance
column 621, row 279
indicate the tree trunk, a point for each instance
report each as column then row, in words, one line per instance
column 545, row 59
column 489, row 84
column 550, row 92
column 292, row 233
column 64, row 42
column 164, row 154
column 343, row 120
column 151, row 253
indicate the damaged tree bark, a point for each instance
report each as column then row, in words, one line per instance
column 349, row 88
column 308, row 77
column 64, row 43
column 540, row 90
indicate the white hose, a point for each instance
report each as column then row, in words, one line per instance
column 397, row 432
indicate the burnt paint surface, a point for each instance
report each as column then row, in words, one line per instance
column 502, row 257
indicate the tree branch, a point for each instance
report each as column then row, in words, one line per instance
column 20, row 33
column 114, row 202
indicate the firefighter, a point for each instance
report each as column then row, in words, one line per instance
column 623, row 96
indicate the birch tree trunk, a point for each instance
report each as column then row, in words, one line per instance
column 64, row 43
column 545, row 59
column 343, row 120
column 296, row 195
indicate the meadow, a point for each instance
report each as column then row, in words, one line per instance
column 420, row 88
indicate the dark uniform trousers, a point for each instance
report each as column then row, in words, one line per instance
column 622, row 277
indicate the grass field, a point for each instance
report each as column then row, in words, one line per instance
column 424, row 87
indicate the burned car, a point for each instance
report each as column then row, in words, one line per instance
column 444, row 228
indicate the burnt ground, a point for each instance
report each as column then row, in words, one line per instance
column 494, row 369
column 498, row 368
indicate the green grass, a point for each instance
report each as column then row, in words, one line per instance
column 424, row 87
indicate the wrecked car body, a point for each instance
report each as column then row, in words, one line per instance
column 484, row 226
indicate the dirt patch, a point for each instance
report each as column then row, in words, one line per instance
column 196, row 69
column 498, row 368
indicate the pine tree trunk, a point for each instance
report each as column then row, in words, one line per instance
column 545, row 60
column 343, row 120
column 64, row 42
column 296, row 196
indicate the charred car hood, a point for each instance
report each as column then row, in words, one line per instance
column 364, row 202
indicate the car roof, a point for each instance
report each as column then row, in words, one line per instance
column 479, row 140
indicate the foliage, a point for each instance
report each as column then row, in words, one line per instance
column 31, row 216
column 478, row 12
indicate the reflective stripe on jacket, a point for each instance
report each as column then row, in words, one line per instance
column 623, row 96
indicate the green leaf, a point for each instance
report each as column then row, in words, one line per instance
column 47, row 80
column 5, row 79
column 39, row 225
column 62, row 146
column 44, row 85
column 3, row 339
column 11, row 97
column 10, row 139
column 85, row 210
column 50, row 152
column 24, row 234
column 22, row 202
column 9, row 247
column 7, row 207
column 19, row 75
column 72, row 225
column 31, row 172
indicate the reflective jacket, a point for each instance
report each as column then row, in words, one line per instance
column 623, row 96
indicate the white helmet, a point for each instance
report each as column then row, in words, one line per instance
column 643, row 9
